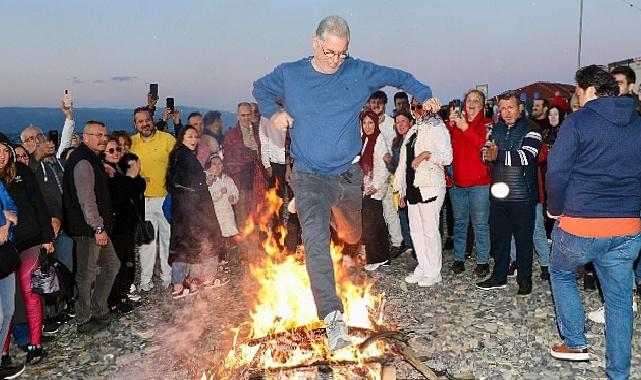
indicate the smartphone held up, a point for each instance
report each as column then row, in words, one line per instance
column 457, row 107
column 170, row 105
column 53, row 137
column 67, row 100
column 153, row 90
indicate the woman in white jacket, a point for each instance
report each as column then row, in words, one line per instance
column 420, row 181
column 375, row 176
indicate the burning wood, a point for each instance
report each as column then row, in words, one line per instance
column 401, row 346
column 370, row 369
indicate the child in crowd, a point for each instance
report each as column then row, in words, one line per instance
column 224, row 194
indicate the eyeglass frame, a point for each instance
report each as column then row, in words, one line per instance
column 114, row 150
column 332, row 54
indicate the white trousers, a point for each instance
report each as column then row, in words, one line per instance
column 154, row 214
column 391, row 218
column 424, row 222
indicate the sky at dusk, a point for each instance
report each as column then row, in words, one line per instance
column 208, row 53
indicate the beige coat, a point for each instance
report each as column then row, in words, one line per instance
column 222, row 205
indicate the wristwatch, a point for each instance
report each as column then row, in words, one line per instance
column 99, row 230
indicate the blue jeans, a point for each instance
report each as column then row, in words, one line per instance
column 612, row 258
column 64, row 251
column 7, row 304
column 323, row 200
column 21, row 334
column 471, row 202
column 405, row 227
column 539, row 238
column 179, row 272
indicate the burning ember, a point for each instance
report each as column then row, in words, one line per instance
column 284, row 331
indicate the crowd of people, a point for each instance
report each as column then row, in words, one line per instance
column 510, row 180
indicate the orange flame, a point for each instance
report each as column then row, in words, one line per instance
column 284, row 302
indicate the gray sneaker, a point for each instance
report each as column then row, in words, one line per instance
column 336, row 329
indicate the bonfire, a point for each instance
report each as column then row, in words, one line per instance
column 284, row 332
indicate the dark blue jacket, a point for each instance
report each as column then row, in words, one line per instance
column 594, row 168
column 517, row 160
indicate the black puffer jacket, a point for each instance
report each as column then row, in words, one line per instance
column 34, row 222
column 517, row 162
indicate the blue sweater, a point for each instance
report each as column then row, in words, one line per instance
column 594, row 168
column 325, row 136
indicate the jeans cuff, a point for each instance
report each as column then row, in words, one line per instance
column 579, row 347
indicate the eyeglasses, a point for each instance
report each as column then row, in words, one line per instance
column 331, row 54
column 416, row 107
column 22, row 156
column 33, row 138
column 114, row 150
column 98, row 135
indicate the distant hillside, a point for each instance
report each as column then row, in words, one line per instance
column 15, row 119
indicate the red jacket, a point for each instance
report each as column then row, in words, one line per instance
column 469, row 169
column 543, row 158
column 238, row 158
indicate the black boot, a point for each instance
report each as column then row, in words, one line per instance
column 35, row 354
column 589, row 281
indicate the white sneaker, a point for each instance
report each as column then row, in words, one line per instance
column 413, row 278
column 134, row 296
column 291, row 206
column 427, row 282
column 375, row 266
column 146, row 287
column 336, row 329
column 598, row 315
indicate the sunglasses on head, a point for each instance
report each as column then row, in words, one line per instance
column 114, row 150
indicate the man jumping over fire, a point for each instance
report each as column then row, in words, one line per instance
column 322, row 97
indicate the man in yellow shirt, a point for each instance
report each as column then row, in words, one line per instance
column 153, row 147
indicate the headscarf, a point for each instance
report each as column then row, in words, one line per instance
column 369, row 142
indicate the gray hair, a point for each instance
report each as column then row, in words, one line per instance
column 334, row 25
column 29, row 127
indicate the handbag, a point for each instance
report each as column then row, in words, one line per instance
column 44, row 279
column 9, row 259
column 143, row 230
